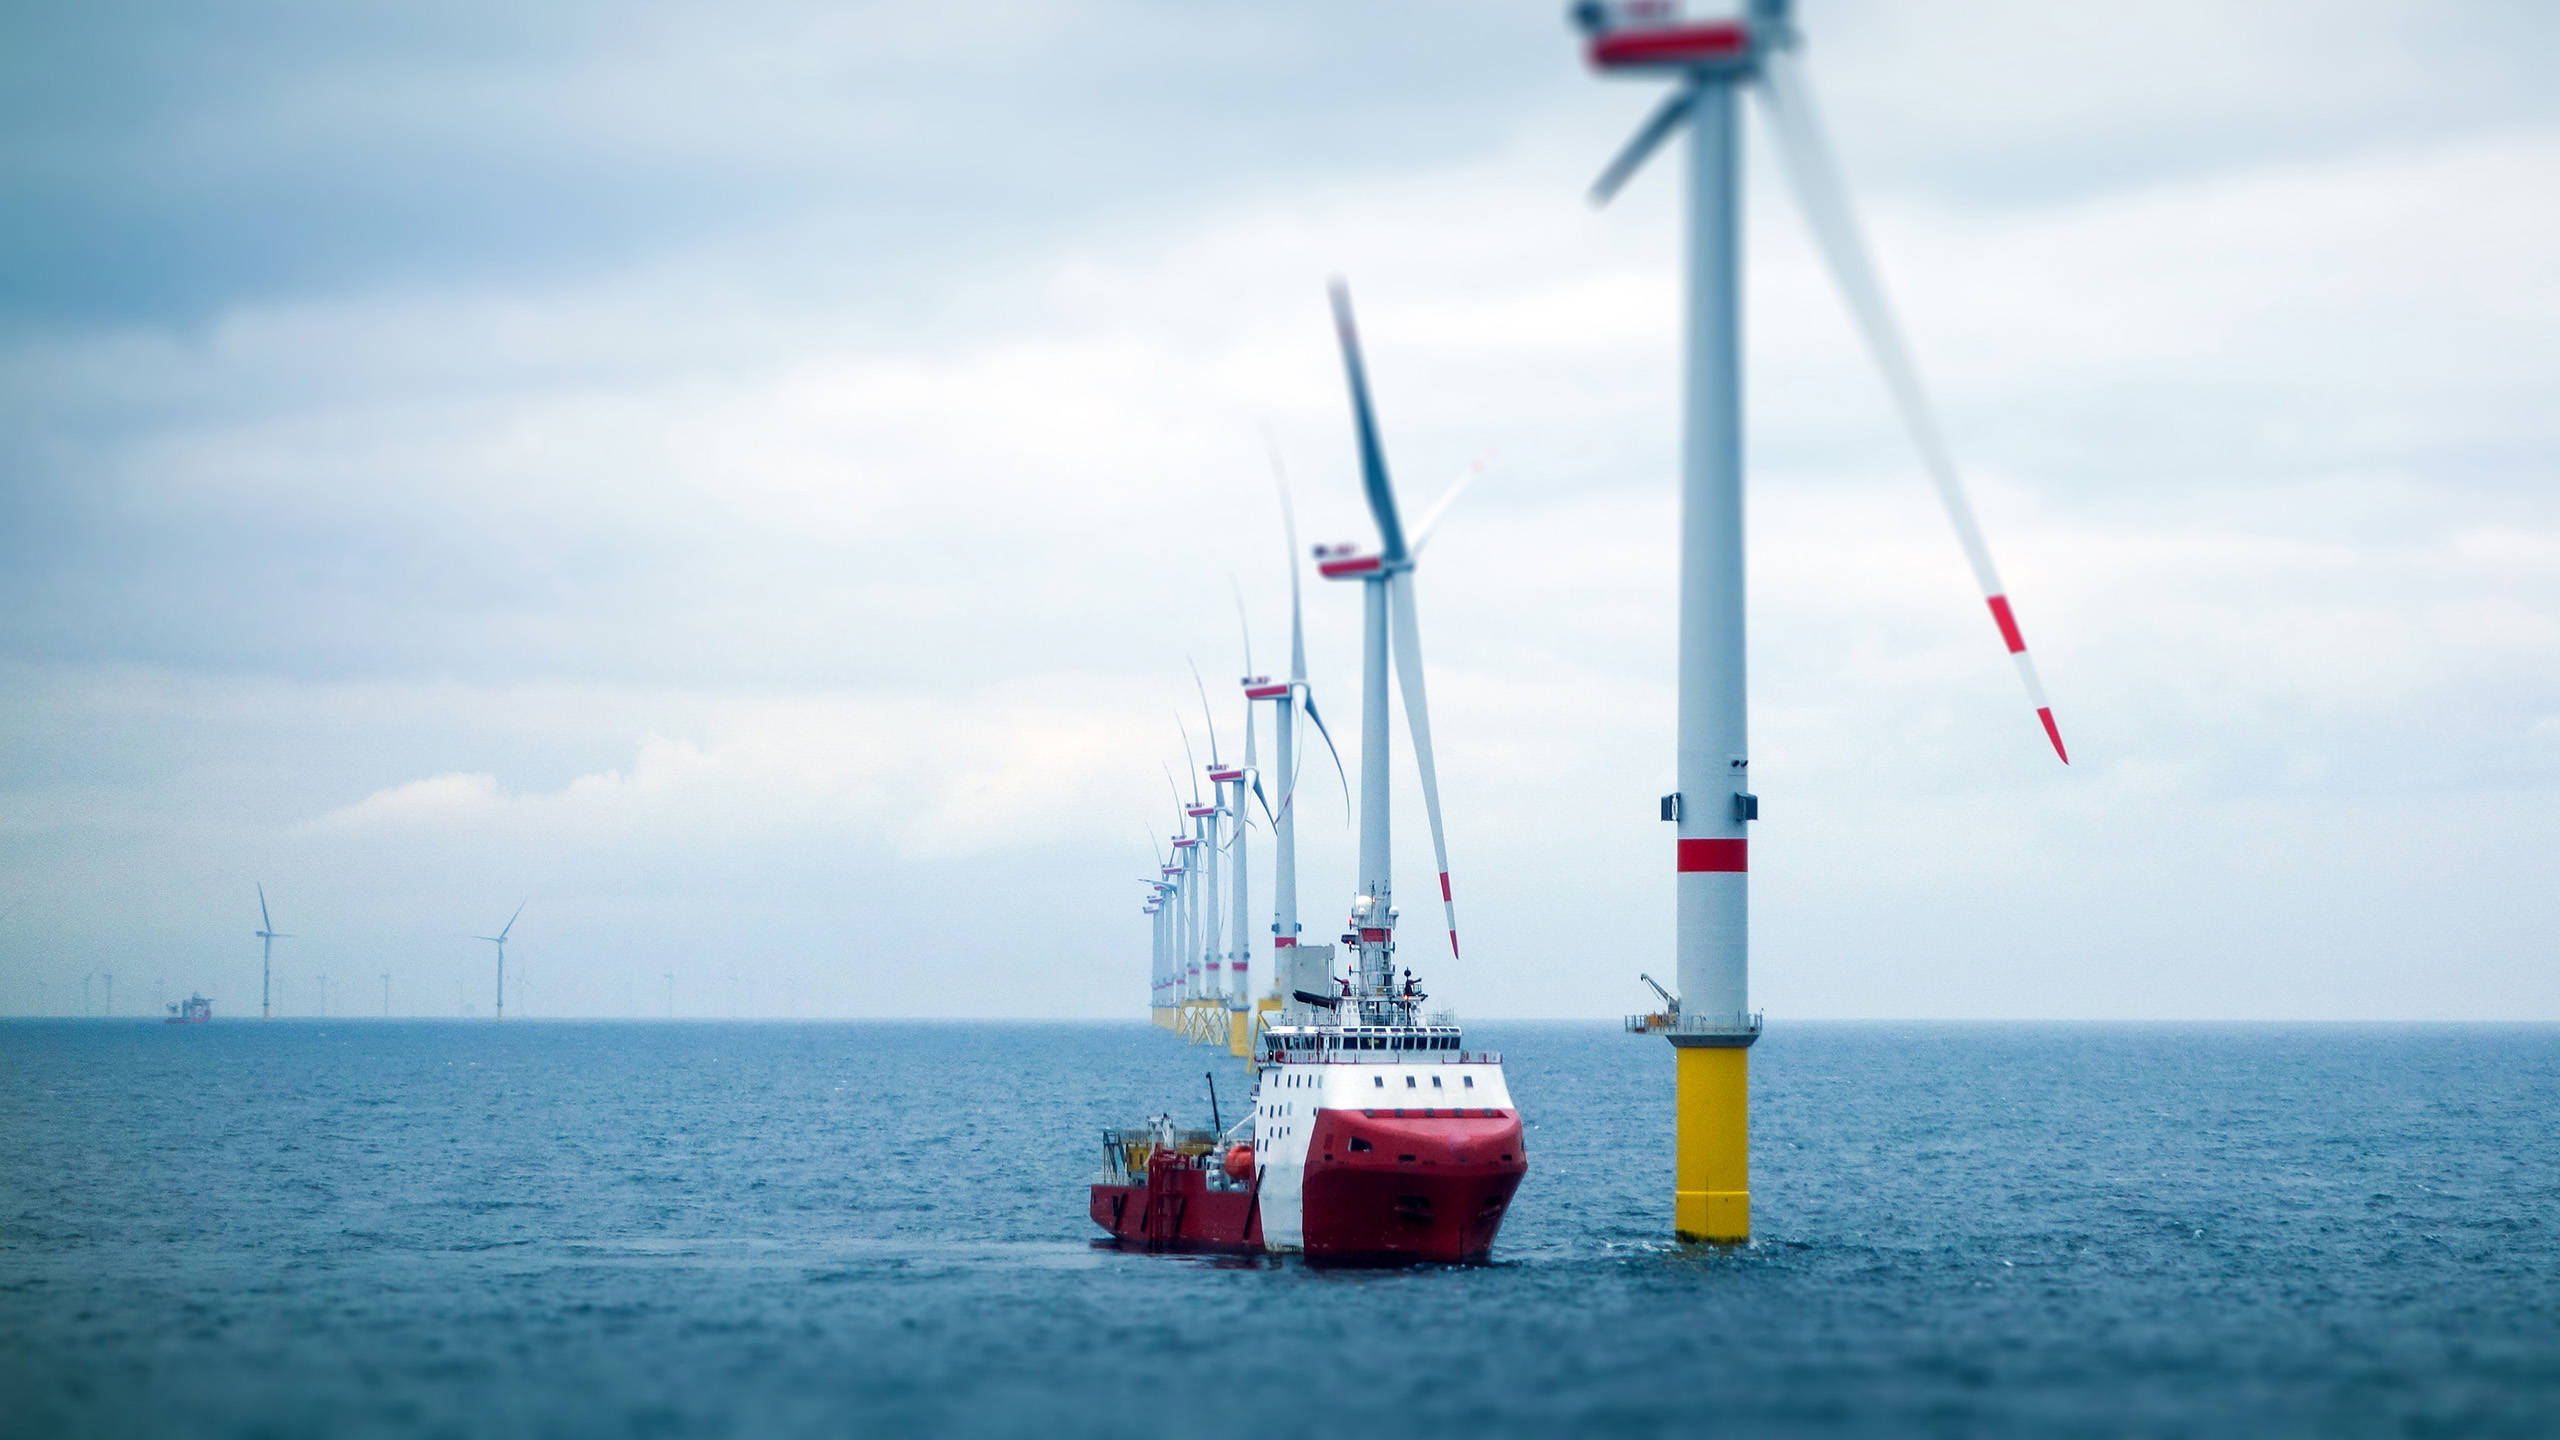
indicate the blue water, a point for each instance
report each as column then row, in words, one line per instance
column 326, row 1228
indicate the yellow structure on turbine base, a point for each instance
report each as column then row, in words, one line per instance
column 1711, row 1120
column 1246, row 1026
column 1167, row 1017
column 1203, row 1022
column 1711, row 1143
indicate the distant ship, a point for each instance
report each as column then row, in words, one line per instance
column 194, row 1010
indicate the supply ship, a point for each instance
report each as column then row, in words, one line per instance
column 1379, row 1139
column 1375, row 1136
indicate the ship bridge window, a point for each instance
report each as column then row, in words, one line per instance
column 1435, row 1082
column 1378, row 1080
column 1408, row 1082
column 1471, row 1082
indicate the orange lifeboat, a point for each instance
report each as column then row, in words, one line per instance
column 1240, row 1162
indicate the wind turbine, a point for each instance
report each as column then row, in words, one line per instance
column 1203, row 847
column 1227, row 787
column 1214, row 980
column 1712, row 61
column 1287, row 698
column 1387, row 619
column 500, row 940
column 268, row 935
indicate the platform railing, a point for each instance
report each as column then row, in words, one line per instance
column 1673, row 1022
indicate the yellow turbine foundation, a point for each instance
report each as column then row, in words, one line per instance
column 1244, row 1027
column 1166, row 1017
column 1203, row 1022
column 1711, row 1149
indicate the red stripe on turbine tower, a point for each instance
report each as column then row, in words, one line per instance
column 2008, row 624
column 1726, row 855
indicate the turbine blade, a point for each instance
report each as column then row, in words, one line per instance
column 1190, row 762
column 264, row 921
column 1207, row 715
column 1289, row 534
column 1648, row 138
column 1825, row 202
column 1265, row 799
column 1244, row 625
column 1440, row 507
column 1406, row 635
column 503, row 930
column 1307, row 702
column 1373, row 460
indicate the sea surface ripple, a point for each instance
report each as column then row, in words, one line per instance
column 349, row 1227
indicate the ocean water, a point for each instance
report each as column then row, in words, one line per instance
column 336, row 1228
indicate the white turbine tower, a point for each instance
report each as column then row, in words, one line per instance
column 1712, row 60
column 1388, row 620
column 500, row 940
column 268, row 935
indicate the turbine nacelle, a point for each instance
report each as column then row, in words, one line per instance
column 1347, row 562
column 1654, row 36
column 1225, row 777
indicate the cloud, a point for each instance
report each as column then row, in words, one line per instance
column 436, row 800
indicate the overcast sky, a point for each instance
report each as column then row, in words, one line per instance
column 747, row 480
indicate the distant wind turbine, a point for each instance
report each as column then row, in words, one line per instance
column 500, row 940
column 268, row 935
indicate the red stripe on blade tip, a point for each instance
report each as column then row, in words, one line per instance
column 2053, row 732
column 2008, row 624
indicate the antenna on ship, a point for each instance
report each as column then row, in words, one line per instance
column 1711, row 62
column 500, row 940
column 268, row 935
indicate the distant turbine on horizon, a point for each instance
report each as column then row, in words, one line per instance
column 268, row 935
column 500, row 940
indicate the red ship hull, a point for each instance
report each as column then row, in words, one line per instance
column 1177, row 1211
column 1378, row 1190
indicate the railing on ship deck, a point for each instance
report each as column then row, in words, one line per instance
column 1386, row 1057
